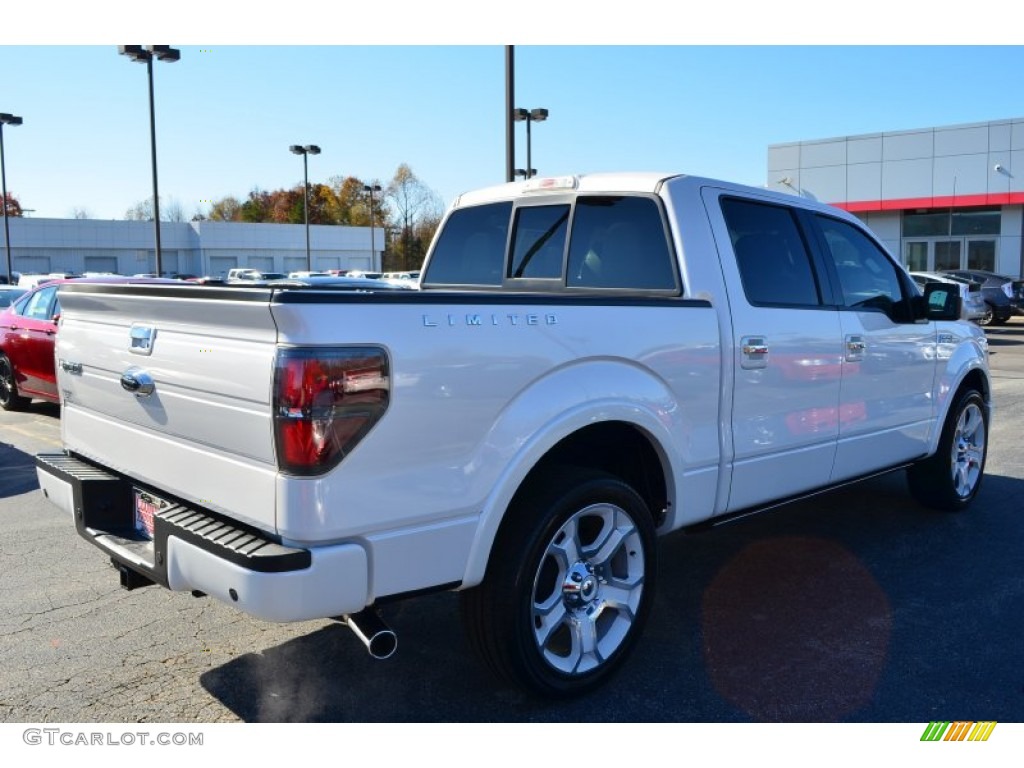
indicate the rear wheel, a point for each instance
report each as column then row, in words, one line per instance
column 10, row 400
column 949, row 480
column 569, row 585
column 989, row 315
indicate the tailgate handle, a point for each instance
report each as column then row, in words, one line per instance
column 137, row 381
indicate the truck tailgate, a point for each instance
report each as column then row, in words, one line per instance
column 205, row 430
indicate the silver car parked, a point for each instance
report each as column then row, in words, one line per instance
column 972, row 304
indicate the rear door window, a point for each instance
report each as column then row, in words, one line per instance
column 40, row 305
column 774, row 262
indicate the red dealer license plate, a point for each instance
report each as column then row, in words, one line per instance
column 147, row 505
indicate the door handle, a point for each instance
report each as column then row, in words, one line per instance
column 855, row 347
column 754, row 351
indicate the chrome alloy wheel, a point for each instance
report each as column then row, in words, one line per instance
column 968, row 450
column 588, row 588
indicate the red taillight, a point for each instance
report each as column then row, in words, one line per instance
column 325, row 401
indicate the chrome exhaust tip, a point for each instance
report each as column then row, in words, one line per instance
column 379, row 639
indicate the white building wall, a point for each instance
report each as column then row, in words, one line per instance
column 1010, row 259
column 878, row 175
column 65, row 245
column 917, row 164
column 886, row 226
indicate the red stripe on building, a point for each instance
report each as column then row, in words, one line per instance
column 944, row 202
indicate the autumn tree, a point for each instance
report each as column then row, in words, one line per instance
column 256, row 208
column 349, row 193
column 12, row 205
column 226, row 209
column 322, row 204
column 285, row 206
column 405, row 204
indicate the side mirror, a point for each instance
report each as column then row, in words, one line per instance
column 941, row 301
column 55, row 319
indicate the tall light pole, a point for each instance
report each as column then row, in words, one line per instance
column 6, row 119
column 145, row 54
column 370, row 190
column 530, row 116
column 510, row 100
column 306, row 151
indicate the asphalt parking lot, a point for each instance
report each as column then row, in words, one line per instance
column 855, row 606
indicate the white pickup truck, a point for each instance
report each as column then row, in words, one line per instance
column 590, row 362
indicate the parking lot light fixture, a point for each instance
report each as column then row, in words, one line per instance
column 6, row 118
column 528, row 116
column 146, row 54
column 305, row 150
column 370, row 189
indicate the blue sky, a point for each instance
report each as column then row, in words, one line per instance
column 226, row 113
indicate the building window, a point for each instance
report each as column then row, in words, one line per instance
column 967, row 221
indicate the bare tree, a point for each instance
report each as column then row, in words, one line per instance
column 411, row 200
column 170, row 210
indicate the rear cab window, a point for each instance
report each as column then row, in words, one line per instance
column 585, row 242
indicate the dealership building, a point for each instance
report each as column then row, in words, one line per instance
column 42, row 246
column 949, row 197
column 946, row 197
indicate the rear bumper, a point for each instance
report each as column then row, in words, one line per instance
column 197, row 550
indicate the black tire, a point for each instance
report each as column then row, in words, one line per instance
column 950, row 479
column 987, row 318
column 10, row 400
column 569, row 584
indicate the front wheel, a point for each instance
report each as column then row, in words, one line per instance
column 949, row 480
column 569, row 584
column 10, row 400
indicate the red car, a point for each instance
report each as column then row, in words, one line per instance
column 28, row 328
